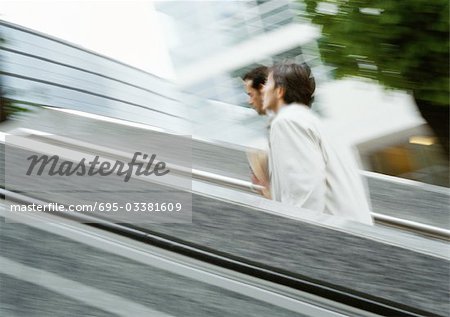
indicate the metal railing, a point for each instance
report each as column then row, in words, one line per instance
column 243, row 185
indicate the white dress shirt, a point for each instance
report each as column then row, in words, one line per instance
column 307, row 170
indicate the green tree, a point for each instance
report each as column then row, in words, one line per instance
column 401, row 44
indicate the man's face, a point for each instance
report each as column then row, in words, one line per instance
column 255, row 97
column 270, row 94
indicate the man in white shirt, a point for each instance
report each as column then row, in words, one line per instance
column 305, row 168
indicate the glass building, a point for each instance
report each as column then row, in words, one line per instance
column 214, row 45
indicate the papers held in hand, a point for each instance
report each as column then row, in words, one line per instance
column 258, row 162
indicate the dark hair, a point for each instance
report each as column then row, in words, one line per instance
column 257, row 75
column 297, row 81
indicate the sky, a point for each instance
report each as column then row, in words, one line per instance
column 128, row 31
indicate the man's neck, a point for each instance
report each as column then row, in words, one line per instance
column 280, row 104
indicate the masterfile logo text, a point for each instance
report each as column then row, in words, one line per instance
column 96, row 167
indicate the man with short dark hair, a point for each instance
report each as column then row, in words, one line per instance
column 305, row 168
column 254, row 82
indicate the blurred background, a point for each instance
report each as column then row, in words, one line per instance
column 381, row 66
column 105, row 77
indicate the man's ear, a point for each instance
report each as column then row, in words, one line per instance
column 280, row 91
column 261, row 88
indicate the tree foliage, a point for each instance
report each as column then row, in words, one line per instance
column 401, row 44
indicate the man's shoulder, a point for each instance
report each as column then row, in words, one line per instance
column 298, row 115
